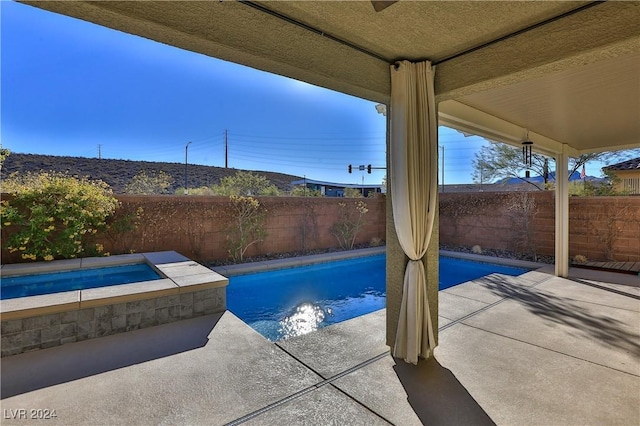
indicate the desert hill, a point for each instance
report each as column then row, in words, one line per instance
column 118, row 173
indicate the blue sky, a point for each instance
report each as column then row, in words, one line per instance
column 70, row 87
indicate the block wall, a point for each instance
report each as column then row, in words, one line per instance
column 198, row 227
column 600, row 228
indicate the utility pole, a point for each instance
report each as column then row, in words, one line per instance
column 99, row 151
column 226, row 149
column 442, row 168
column 186, row 160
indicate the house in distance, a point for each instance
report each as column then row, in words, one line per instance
column 331, row 189
column 629, row 174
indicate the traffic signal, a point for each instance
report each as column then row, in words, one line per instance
column 369, row 169
column 350, row 168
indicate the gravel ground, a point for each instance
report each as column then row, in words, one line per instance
column 270, row 256
column 502, row 253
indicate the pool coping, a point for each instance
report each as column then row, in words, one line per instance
column 292, row 262
column 181, row 275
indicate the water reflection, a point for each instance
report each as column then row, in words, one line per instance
column 306, row 318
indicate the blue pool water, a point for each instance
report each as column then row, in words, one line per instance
column 80, row 279
column 294, row 301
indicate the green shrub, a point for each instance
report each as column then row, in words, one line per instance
column 121, row 228
column 203, row 190
column 149, row 183
column 353, row 193
column 245, row 184
column 4, row 153
column 303, row 191
column 349, row 223
column 246, row 227
column 54, row 215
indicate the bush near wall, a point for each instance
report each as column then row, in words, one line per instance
column 605, row 228
column 600, row 228
column 197, row 226
column 499, row 221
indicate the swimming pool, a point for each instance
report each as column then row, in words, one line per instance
column 294, row 301
column 55, row 282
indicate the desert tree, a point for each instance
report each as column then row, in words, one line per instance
column 247, row 184
column 148, row 183
column 498, row 161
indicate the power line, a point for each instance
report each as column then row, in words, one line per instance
column 307, row 143
column 291, row 163
column 310, row 155
column 335, row 138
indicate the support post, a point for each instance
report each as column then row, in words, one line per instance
column 562, row 213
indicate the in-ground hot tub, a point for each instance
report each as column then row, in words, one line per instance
column 184, row 289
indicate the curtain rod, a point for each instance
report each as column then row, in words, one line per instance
column 522, row 31
column 313, row 30
column 436, row 62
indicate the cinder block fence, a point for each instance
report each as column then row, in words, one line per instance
column 600, row 228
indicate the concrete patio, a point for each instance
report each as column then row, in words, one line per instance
column 529, row 350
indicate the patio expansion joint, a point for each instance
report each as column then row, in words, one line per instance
column 466, row 297
column 472, row 314
column 271, row 406
column 604, row 288
column 354, row 368
column 602, row 304
column 549, row 349
column 484, row 308
column 348, row 371
column 361, row 404
column 312, row 388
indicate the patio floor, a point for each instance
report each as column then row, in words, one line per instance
column 534, row 349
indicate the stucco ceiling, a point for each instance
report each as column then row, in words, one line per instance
column 567, row 71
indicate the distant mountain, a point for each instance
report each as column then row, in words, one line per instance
column 118, row 173
column 552, row 177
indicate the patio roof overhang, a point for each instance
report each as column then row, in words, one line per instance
column 565, row 71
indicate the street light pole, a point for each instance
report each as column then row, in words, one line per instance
column 186, row 158
column 442, row 168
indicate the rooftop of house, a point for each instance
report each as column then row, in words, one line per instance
column 334, row 184
column 633, row 164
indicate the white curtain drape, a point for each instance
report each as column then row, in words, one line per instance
column 413, row 172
